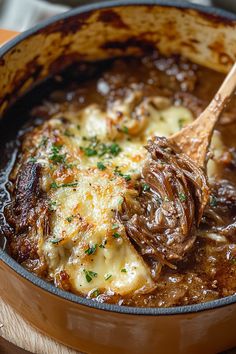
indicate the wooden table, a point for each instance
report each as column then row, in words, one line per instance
column 18, row 337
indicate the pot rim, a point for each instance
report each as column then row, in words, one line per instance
column 25, row 274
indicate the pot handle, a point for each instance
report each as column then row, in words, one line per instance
column 6, row 35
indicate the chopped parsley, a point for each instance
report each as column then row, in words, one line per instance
column 89, row 151
column 118, row 172
column 182, row 197
column 145, row 187
column 32, row 159
column 52, row 205
column 116, row 235
column 213, row 201
column 55, row 241
column 181, row 122
column 103, row 244
column 123, row 270
column 127, row 177
column 125, row 130
column 69, row 165
column 114, row 149
column 115, row 226
column 120, row 200
column 70, row 218
column 68, row 133
column 107, row 276
column 95, row 293
column 43, row 141
column 78, row 126
column 54, row 185
column 56, row 157
column 101, row 166
column 95, row 147
column 89, row 275
column 91, row 250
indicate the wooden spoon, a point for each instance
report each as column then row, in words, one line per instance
column 194, row 139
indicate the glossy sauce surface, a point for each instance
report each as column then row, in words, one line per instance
column 209, row 270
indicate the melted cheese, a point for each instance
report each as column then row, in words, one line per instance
column 85, row 238
column 84, row 219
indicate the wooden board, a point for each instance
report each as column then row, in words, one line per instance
column 15, row 330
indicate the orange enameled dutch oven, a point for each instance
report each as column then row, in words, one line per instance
column 104, row 30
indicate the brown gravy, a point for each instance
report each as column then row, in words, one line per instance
column 209, row 270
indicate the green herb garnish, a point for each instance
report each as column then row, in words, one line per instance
column 101, row 166
column 54, row 185
column 107, row 276
column 70, row 218
column 182, row 197
column 89, row 151
column 181, row 122
column 55, row 241
column 68, row 133
column 116, row 235
column 145, row 187
column 32, row 159
column 108, row 149
column 91, row 250
column 127, row 177
column 114, row 149
column 213, row 201
column 95, row 147
column 89, row 275
column 123, row 270
column 103, row 244
column 120, row 201
column 55, row 156
column 118, row 172
column 43, row 141
column 69, row 165
column 95, row 293
column 115, row 226
column 52, row 205
column 125, row 130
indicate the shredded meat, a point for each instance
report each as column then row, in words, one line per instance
column 23, row 218
column 26, row 194
column 220, row 214
column 171, row 205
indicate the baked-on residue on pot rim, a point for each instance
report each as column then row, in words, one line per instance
column 74, row 298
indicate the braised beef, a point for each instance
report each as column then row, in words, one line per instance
column 200, row 265
column 164, row 228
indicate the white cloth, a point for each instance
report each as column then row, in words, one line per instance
column 20, row 15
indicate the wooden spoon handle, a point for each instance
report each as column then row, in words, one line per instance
column 221, row 98
column 195, row 138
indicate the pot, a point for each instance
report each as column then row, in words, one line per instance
column 204, row 35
